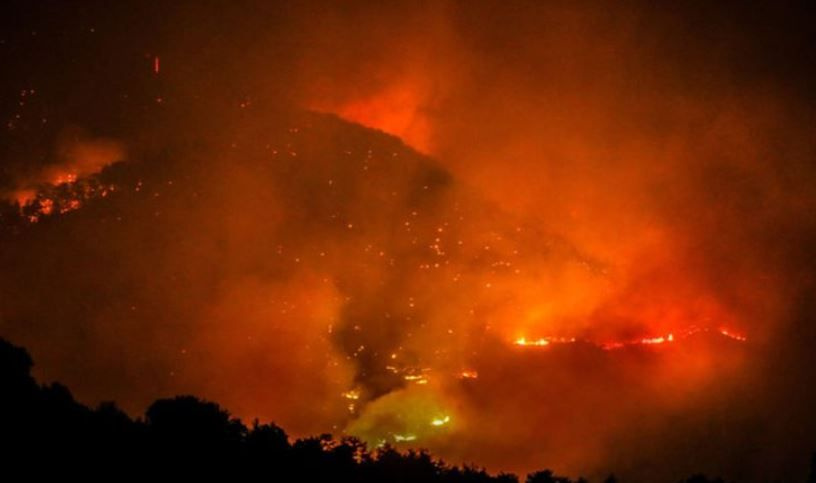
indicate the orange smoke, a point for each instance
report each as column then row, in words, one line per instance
column 76, row 157
column 399, row 110
column 592, row 266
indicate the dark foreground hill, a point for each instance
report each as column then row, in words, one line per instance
column 44, row 431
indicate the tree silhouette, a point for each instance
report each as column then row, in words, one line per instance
column 44, row 432
column 546, row 476
column 700, row 478
column 812, row 475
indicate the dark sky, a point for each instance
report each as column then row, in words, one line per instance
column 342, row 217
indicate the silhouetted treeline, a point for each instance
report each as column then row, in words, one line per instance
column 44, row 432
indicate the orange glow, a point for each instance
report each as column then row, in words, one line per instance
column 77, row 159
column 396, row 110
column 620, row 344
column 522, row 341
column 733, row 335
column 361, row 219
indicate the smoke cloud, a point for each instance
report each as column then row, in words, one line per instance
column 345, row 218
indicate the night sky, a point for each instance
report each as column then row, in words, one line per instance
column 572, row 235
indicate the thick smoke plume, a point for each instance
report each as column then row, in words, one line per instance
column 581, row 238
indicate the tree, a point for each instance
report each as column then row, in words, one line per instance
column 546, row 476
column 187, row 427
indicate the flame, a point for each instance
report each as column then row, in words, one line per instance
column 620, row 344
column 522, row 341
column 61, row 198
column 733, row 335
column 440, row 421
column 63, row 186
column 415, row 378
column 544, row 341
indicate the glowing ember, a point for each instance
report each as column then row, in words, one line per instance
column 61, row 198
column 417, row 379
column 522, row 341
column 733, row 335
column 440, row 421
column 544, row 341
column 620, row 344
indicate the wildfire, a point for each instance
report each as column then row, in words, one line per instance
column 656, row 340
column 71, row 179
column 416, row 378
column 66, row 195
column 620, row 344
column 522, row 341
column 64, row 178
column 733, row 335
column 544, row 341
column 440, row 421
column 415, row 375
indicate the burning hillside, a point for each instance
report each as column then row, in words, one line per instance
column 523, row 236
column 313, row 258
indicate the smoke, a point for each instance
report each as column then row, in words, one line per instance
column 76, row 156
column 588, row 178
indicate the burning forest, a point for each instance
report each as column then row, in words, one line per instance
column 516, row 235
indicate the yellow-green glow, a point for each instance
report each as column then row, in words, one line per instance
column 440, row 421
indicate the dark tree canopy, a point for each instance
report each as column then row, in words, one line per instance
column 44, row 431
